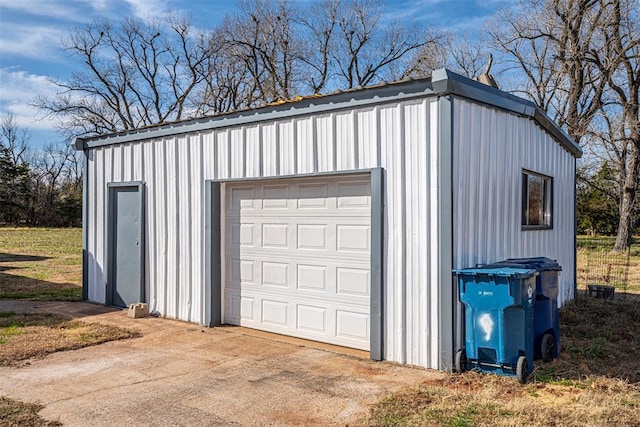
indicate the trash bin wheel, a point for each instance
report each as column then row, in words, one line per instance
column 547, row 347
column 521, row 369
column 461, row 361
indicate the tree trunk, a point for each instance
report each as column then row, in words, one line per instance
column 628, row 200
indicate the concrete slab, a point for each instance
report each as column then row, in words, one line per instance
column 183, row 374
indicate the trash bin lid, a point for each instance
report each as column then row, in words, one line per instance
column 519, row 272
column 539, row 263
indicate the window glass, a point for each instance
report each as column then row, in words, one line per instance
column 536, row 200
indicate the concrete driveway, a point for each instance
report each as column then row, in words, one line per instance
column 182, row 374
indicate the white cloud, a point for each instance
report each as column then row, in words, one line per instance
column 148, row 8
column 67, row 10
column 19, row 88
column 31, row 41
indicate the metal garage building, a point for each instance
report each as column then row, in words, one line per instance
column 336, row 218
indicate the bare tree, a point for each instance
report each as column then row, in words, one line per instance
column 619, row 61
column 262, row 40
column 366, row 50
column 14, row 171
column 56, row 186
column 137, row 73
column 468, row 56
column 548, row 40
column 228, row 86
column 581, row 60
column 15, row 139
column 321, row 23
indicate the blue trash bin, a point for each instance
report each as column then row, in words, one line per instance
column 499, row 306
column 546, row 329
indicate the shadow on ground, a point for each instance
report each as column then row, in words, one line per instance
column 18, row 287
column 5, row 257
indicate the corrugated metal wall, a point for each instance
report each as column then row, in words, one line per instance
column 175, row 170
column 491, row 148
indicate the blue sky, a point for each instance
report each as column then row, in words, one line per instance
column 31, row 30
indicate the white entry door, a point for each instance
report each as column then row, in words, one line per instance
column 297, row 258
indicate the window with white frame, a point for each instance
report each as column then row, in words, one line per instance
column 537, row 196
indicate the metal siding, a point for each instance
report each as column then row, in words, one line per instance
column 399, row 137
column 237, row 150
column 253, row 140
column 270, row 149
column 287, row 147
column 173, row 231
column 491, row 148
column 345, row 146
column 151, row 258
column 221, row 162
column 183, row 220
column 325, row 141
column 158, row 209
column 367, row 141
column 305, row 139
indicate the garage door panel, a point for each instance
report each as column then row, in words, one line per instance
column 352, row 281
column 275, row 274
column 274, row 313
column 333, row 278
column 312, row 278
column 341, row 324
column 242, row 234
column 241, row 271
column 353, row 195
column 312, row 196
column 298, row 258
column 311, row 319
column 242, row 198
column 275, row 198
column 238, row 307
column 350, row 325
column 312, row 236
column 274, row 236
column 353, row 238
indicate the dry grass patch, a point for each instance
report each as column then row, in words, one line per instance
column 14, row 413
column 475, row 399
column 595, row 382
column 27, row 335
column 598, row 337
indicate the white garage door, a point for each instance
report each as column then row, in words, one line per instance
column 297, row 258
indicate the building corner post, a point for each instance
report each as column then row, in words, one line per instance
column 85, row 225
column 446, row 303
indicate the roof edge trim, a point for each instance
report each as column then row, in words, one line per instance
column 311, row 105
column 442, row 82
column 448, row 82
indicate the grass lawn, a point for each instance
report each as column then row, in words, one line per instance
column 41, row 263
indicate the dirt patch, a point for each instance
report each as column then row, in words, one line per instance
column 14, row 413
column 27, row 335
